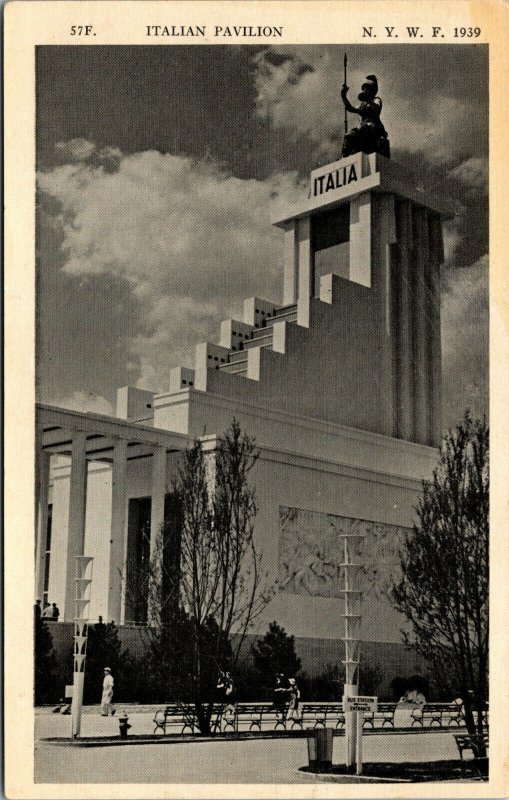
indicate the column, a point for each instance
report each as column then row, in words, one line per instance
column 384, row 236
column 158, row 495
column 42, row 462
column 118, row 531
column 360, row 239
column 156, row 524
column 305, row 270
column 404, row 321
column 290, row 264
column 437, row 259
column 421, row 398
column 76, row 523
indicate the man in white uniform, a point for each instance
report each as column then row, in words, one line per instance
column 107, row 695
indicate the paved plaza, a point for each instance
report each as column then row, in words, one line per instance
column 275, row 760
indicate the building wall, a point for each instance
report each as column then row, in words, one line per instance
column 333, row 479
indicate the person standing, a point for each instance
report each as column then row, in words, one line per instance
column 107, row 694
column 55, row 613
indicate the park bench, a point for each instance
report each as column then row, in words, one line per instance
column 321, row 714
column 437, row 713
column 175, row 715
column 473, row 742
column 255, row 714
column 384, row 713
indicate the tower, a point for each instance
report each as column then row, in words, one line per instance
column 369, row 241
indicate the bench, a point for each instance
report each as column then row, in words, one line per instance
column 437, row 713
column 385, row 712
column 473, row 742
column 255, row 714
column 175, row 715
column 315, row 713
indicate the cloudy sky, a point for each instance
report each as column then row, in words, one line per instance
column 155, row 170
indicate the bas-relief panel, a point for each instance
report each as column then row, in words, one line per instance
column 311, row 551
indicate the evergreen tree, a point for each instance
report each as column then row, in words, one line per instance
column 104, row 649
column 275, row 653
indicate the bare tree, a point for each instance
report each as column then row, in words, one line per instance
column 203, row 602
column 444, row 587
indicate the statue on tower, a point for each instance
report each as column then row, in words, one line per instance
column 370, row 136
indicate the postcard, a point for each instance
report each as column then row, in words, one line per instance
column 256, row 349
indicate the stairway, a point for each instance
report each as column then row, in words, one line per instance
column 260, row 337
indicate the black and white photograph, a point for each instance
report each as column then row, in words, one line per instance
column 261, row 537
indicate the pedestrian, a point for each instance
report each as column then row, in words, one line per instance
column 294, row 704
column 280, row 695
column 48, row 611
column 107, row 695
column 37, row 609
column 229, row 691
column 55, row 611
column 221, row 689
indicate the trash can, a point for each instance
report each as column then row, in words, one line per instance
column 320, row 749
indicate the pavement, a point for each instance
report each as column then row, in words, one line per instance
column 190, row 760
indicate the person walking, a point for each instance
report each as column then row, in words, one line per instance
column 294, row 704
column 229, row 691
column 280, row 697
column 107, row 695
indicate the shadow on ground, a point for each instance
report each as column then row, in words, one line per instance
column 425, row 772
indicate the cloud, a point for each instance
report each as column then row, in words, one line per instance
column 473, row 173
column 465, row 340
column 81, row 150
column 190, row 239
column 75, row 149
column 83, row 401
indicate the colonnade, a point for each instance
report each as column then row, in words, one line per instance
column 81, row 445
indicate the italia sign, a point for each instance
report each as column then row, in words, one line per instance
column 335, row 179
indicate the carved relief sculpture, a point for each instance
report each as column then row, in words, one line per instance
column 311, row 552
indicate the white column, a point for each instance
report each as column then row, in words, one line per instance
column 305, row 270
column 42, row 484
column 290, row 264
column 156, row 524
column 421, row 399
column 437, row 258
column 360, row 239
column 158, row 495
column 405, row 321
column 118, row 531
column 384, row 236
column 76, row 523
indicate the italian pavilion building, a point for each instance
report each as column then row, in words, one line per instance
column 339, row 384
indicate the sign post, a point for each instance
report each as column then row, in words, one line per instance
column 83, row 582
column 357, row 705
column 352, row 543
